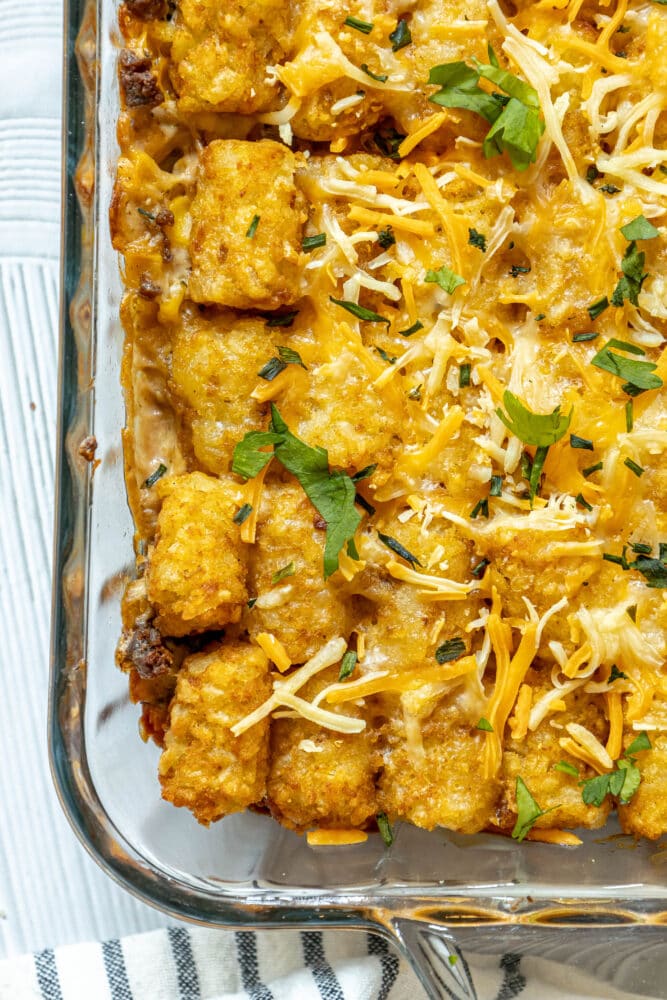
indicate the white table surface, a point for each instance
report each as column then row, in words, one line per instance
column 51, row 892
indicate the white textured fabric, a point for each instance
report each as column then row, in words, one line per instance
column 51, row 893
column 195, row 964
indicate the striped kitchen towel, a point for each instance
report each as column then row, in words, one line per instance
column 186, row 963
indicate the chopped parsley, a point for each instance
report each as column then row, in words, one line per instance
column 481, row 509
column 597, row 308
column 484, row 725
column 629, row 416
column 387, row 140
column 637, row 375
column 242, row 514
column 347, row 665
column 389, row 358
column 633, row 467
column 282, row 319
column 448, row 280
column 386, row 238
column 272, row 368
column 540, row 317
column 290, row 357
column 331, row 493
column 464, row 375
column 310, row 243
column 400, row 36
column 539, row 429
column 385, row 829
column 452, row 649
column 364, row 473
column 478, row 570
column 514, row 116
column 359, row 311
column 476, row 239
column 154, row 476
column 252, row 228
column 412, row 329
column 634, row 276
column 640, row 229
column 566, row 768
column 399, row 549
column 616, row 674
column 284, row 571
column 527, row 809
column 622, row 782
column 364, row 26
column 381, row 78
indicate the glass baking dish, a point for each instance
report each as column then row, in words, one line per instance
column 602, row 906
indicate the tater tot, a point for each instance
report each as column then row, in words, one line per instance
column 204, row 767
column 197, row 571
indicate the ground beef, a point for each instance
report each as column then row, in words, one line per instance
column 147, row 10
column 144, row 648
column 138, row 84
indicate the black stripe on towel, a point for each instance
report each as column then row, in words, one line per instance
column 47, row 975
column 389, row 963
column 514, row 981
column 114, row 966
column 246, row 949
column 323, row 974
column 186, row 970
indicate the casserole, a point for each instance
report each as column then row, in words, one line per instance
column 430, row 892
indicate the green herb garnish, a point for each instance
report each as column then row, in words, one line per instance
column 399, row 549
column 310, row 243
column 331, row 493
column 566, row 768
column 448, row 280
column 385, row 829
column 386, row 238
column 464, row 375
column 387, row 140
column 252, row 228
column 496, row 489
column 539, row 429
column 589, row 470
column 364, row 26
column 581, row 338
column 481, row 509
column 516, row 126
column 583, row 443
column 284, row 571
column 623, row 782
column 583, row 502
column 291, row 357
column 476, row 239
column 359, row 311
column 381, row 78
column 640, row 229
column 634, row 276
column 146, row 214
column 242, row 514
column 347, row 665
column 528, row 811
column 609, row 188
column 400, row 36
column 633, row 467
column 484, row 725
column 478, row 570
column 154, row 476
column 638, row 375
column 452, row 649
column 282, row 319
column 412, row 329
column 597, row 308
column 629, row 416
column 616, row 674
column 389, row 358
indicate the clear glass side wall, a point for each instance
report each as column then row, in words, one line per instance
column 107, row 776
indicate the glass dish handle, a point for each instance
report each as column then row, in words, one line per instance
column 435, row 957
